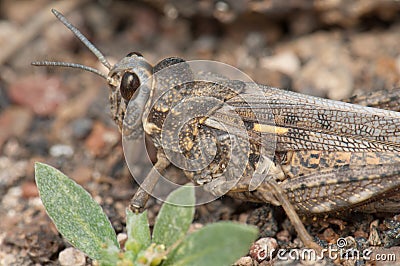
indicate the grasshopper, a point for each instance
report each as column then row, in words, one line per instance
column 307, row 154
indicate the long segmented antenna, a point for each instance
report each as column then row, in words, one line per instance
column 71, row 65
column 82, row 38
column 85, row 41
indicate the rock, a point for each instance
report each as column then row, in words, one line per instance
column 264, row 249
column 81, row 174
column 303, row 23
column 14, row 122
column 81, row 127
column 101, row 140
column 244, row 261
column 11, row 171
column 398, row 64
column 194, row 227
column 4, row 100
column 14, row 259
column 59, row 150
column 76, row 108
column 29, row 190
column 29, row 231
column 7, row 29
column 11, row 199
column 20, row 12
column 286, row 62
column 14, row 149
column 121, row 238
column 319, row 79
column 263, row 218
column 72, row 257
column 329, row 236
column 374, row 239
column 38, row 144
column 41, row 94
column 283, row 236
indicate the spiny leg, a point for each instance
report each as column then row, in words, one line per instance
column 142, row 195
column 293, row 216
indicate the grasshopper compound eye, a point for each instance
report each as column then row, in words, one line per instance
column 129, row 84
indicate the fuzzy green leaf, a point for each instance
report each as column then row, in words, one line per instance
column 109, row 256
column 76, row 215
column 138, row 229
column 175, row 216
column 216, row 244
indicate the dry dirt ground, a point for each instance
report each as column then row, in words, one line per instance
column 332, row 49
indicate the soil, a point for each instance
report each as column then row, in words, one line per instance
column 332, row 49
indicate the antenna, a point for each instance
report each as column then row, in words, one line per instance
column 82, row 38
column 85, row 41
column 71, row 65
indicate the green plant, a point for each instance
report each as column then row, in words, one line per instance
column 83, row 223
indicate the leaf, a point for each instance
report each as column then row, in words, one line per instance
column 216, row 244
column 138, row 229
column 76, row 215
column 175, row 216
column 109, row 256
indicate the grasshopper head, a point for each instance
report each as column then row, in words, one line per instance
column 125, row 79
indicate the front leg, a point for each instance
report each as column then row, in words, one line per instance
column 145, row 189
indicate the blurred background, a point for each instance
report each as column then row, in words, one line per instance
column 332, row 48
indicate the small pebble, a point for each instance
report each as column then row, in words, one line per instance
column 72, row 257
column 398, row 64
column 7, row 259
column 244, row 261
column 13, row 149
column 11, row 199
column 194, row 227
column 320, row 79
column 41, row 94
column 82, row 174
column 374, row 239
column 330, row 236
column 38, row 144
column 243, row 217
column 59, row 150
column 122, row 237
column 285, row 62
column 264, row 249
column 101, row 140
column 4, row 101
column 29, row 190
column 11, row 171
column 14, row 122
column 81, row 127
column 283, row 236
